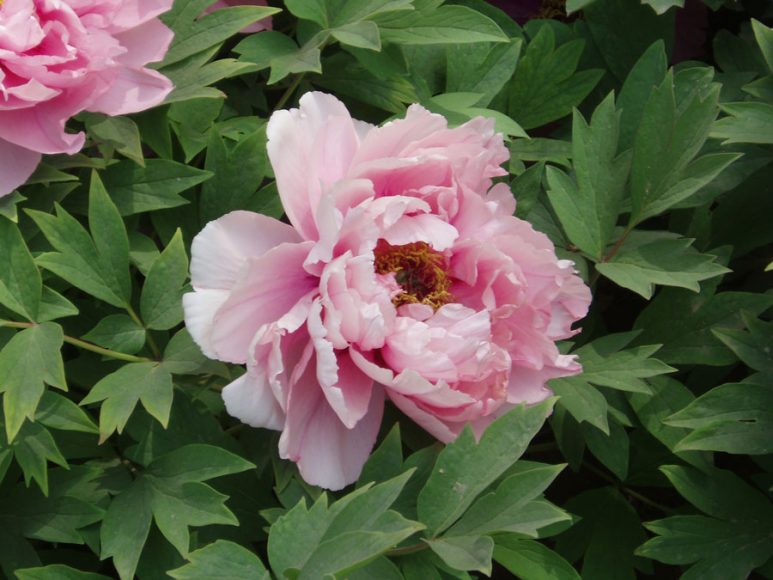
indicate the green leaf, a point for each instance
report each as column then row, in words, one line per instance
column 465, row 468
column 161, row 299
column 328, row 13
column 121, row 133
column 734, row 418
column 261, row 49
column 606, row 364
column 512, row 506
column 77, row 259
column 448, row 24
column 194, row 34
column 57, row 572
column 669, row 136
column 348, row 77
column 729, row 544
column 582, row 400
column 465, row 552
column 682, row 322
column 136, row 189
column 606, row 536
column 546, row 84
column 54, row 306
column 33, row 447
column 721, row 549
column 662, row 6
column 118, row 332
column 223, row 560
column 647, row 74
column 20, row 282
column 668, row 396
column 337, row 538
column 193, row 75
column 588, row 211
column 643, row 26
column 611, row 449
column 237, row 174
column 745, row 123
column 109, row 233
column 170, row 492
column 362, row 34
column 148, row 383
column 182, row 356
column 28, row 362
column 58, row 412
column 753, row 347
column 301, row 60
column 668, row 261
column 764, row 37
column 125, row 528
column 481, row 68
column 530, row 560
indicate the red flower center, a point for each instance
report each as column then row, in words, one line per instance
column 420, row 271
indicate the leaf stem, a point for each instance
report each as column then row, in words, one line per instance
column 407, row 549
column 289, row 92
column 83, row 344
column 627, row 490
column 616, row 248
column 151, row 343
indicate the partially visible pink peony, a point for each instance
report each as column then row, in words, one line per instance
column 259, row 26
column 61, row 57
column 404, row 274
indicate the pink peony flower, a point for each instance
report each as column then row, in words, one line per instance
column 61, row 57
column 259, row 26
column 404, row 274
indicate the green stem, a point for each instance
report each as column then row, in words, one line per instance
column 151, row 343
column 83, row 344
column 407, row 549
column 616, row 248
column 289, row 92
column 627, row 490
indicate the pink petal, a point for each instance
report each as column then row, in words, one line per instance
column 200, row 308
column 221, row 249
column 39, row 129
column 310, row 148
column 346, row 388
column 250, row 399
column 16, row 165
column 327, row 453
column 131, row 91
column 145, row 43
column 135, row 12
column 269, row 287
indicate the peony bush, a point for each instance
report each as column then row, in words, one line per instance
column 403, row 289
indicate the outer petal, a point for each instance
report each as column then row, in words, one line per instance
column 250, row 399
column 131, row 91
column 221, row 249
column 16, row 165
column 135, row 12
column 327, row 453
column 200, row 308
column 310, row 149
column 268, row 288
column 145, row 43
column 39, row 129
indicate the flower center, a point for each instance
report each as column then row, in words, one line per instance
column 420, row 270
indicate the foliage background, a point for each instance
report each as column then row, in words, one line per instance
column 116, row 456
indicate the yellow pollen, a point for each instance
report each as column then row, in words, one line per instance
column 420, row 270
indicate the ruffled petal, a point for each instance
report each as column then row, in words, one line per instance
column 16, row 165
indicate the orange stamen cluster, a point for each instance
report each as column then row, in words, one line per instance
column 420, row 270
